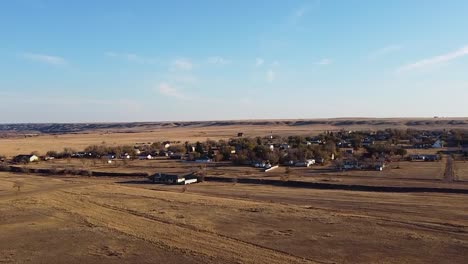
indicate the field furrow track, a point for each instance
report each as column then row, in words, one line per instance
column 184, row 238
column 442, row 227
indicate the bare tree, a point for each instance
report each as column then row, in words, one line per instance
column 234, row 181
column 284, row 178
column 18, row 185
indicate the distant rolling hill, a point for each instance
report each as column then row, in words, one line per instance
column 338, row 123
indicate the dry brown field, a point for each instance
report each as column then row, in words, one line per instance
column 99, row 220
column 78, row 219
column 406, row 170
column 461, row 170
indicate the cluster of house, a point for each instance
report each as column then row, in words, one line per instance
column 266, row 165
column 424, row 139
column 357, row 165
column 365, row 142
column 281, row 146
column 139, row 155
column 144, row 156
column 305, row 163
column 426, row 145
column 262, row 165
column 424, row 157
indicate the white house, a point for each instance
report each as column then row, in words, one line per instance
column 110, row 156
column 125, row 156
column 145, row 157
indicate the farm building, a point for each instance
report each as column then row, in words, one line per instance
column 173, row 178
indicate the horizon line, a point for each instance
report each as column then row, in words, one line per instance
column 237, row 120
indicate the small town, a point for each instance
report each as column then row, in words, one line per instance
column 332, row 150
column 233, row 132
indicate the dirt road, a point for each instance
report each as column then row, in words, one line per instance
column 449, row 174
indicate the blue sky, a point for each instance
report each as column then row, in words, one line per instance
column 94, row 61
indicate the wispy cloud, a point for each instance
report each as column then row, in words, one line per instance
column 384, row 51
column 324, row 62
column 182, row 64
column 437, row 60
column 166, row 89
column 218, row 60
column 270, row 75
column 259, row 62
column 182, row 79
column 44, row 58
column 246, row 101
column 298, row 13
column 131, row 57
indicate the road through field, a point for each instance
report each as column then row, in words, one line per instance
column 449, row 174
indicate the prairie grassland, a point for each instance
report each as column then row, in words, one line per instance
column 98, row 220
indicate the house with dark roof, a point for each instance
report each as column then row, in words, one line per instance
column 25, row 158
